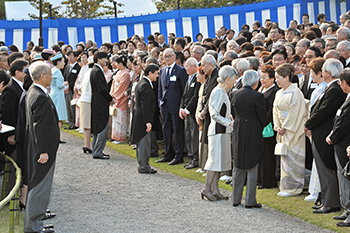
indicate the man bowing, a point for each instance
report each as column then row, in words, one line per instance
column 142, row 118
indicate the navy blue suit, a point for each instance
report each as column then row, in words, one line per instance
column 170, row 92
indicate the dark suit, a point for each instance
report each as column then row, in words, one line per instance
column 320, row 123
column 42, row 136
column 189, row 102
column 340, row 137
column 142, row 114
column 170, row 91
column 249, row 113
column 307, row 90
column 100, row 99
column 71, row 75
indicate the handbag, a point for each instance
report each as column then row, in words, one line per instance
column 281, row 148
column 112, row 111
column 268, row 131
column 346, row 171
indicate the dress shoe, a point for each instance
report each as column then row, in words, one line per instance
column 316, row 207
column 150, row 171
column 220, row 196
column 103, row 156
column 48, row 226
column 326, row 210
column 49, row 215
column 204, row 194
column 228, row 181
column 87, row 150
column 22, row 206
column 188, row 164
column 62, row 142
column 154, row 156
column 342, row 217
column 46, row 230
column 175, row 161
column 191, row 166
column 48, row 210
column 163, row 160
column 235, row 205
column 343, row 224
column 258, row 205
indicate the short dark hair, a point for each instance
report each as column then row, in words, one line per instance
column 56, row 48
column 14, row 56
column 180, row 41
column 4, row 77
column 181, row 56
column 257, row 24
column 345, row 75
column 320, row 16
column 316, row 50
column 154, row 43
column 306, row 15
column 108, row 45
column 269, row 69
column 99, row 55
column 60, row 43
column 75, row 53
column 13, row 48
column 150, row 38
column 280, row 51
column 30, row 43
column 18, row 64
column 151, row 68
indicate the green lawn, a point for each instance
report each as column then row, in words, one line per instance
column 293, row 206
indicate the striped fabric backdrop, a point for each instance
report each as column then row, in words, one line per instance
column 187, row 22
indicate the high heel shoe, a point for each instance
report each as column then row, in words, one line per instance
column 203, row 194
column 22, row 206
column 220, row 196
column 87, row 150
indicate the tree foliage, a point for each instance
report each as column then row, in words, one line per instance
column 81, row 9
column 168, row 5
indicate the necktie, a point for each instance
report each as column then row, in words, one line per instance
column 168, row 71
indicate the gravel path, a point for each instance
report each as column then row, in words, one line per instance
column 110, row 196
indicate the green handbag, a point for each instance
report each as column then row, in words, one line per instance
column 268, row 131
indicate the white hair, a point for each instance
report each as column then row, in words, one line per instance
column 232, row 42
column 344, row 43
column 345, row 31
column 37, row 69
column 192, row 61
column 226, row 72
column 241, row 64
column 333, row 66
column 250, row 77
column 207, row 59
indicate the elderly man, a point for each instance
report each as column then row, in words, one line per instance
column 302, row 46
column 241, row 65
column 42, row 138
column 340, row 138
column 232, row 45
column 211, row 71
column 172, row 81
column 319, row 43
column 343, row 18
column 249, row 114
column 275, row 34
column 343, row 33
column 161, row 41
column 187, row 113
column 197, row 52
column 331, row 43
column 230, row 55
column 343, row 49
column 318, row 126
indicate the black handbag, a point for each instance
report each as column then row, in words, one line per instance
column 346, row 171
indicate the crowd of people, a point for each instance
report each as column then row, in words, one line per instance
column 261, row 108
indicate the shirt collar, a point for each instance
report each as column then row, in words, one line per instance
column 347, row 61
column 42, row 88
column 100, row 67
column 333, row 81
column 150, row 82
column 18, row 82
column 72, row 65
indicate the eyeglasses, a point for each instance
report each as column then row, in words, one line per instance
column 168, row 56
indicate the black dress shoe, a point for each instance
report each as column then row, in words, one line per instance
column 49, row 215
column 188, row 164
column 175, row 161
column 316, row 207
column 326, row 210
column 341, row 217
column 62, row 142
column 343, row 224
column 46, row 230
column 235, row 205
column 87, row 150
column 48, row 226
column 258, row 205
column 103, row 156
column 151, row 171
column 191, row 166
column 48, row 210
column 153, row 156
column 22, row 206
column 229, row 181
column 163, row 160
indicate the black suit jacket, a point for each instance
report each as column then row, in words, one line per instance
column 269, row 98
column 42, row 134
column 341, row 132
column 10, row 101
column 71, row 76
column 321, row 121
column 190, row 97
column 100, row 99
column 306, row 89
column 249, row 112
column 143, row 113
